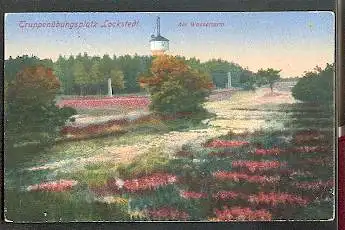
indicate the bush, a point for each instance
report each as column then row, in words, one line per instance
column 315, row 86
column 268, row 76
column 153, row 161
column 30, row 113
column 175, row 87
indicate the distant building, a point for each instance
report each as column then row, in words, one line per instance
column 158, row 44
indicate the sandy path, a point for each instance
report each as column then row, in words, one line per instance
column 229, row 117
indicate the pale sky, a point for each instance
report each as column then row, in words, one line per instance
column 292, row 41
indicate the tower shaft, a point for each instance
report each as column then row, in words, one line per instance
column 158, row 27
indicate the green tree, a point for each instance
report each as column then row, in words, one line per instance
column 268, row 76
column 62, row 69
column 80, row 75
column 13, row 66
column 69, row 72
column 117, row 79
column 131, row 68
column 247, row 79
column 219, row 70
column 96, row 77
column 175, row 87
column 106, row 65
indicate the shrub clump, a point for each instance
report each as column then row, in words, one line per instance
column 30, row 111
column 315, row 86
column 175, row 87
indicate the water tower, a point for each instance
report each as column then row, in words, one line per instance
column 159, row 44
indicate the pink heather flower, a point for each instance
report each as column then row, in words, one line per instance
column 227, row 195
column 192, row 195
column 226, row 144
column 167, row 213
column 273, row 151
column 316, row 185
column 276, row 198
column 53, row 186
column 241, row 214
column 149, row 182
column 253, row 166
column 234, row 176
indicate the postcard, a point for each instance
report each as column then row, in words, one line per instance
column 162, row 116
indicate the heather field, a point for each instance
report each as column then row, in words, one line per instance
column 258, row 156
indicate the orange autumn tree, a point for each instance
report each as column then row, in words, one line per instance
column 175, row 87
column 35, row 84
column 30, row 111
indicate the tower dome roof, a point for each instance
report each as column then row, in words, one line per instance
column 158, row 38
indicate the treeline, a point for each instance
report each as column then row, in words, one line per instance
column 219, row 69
column 87, row 75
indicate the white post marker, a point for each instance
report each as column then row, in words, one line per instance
column 110, row 89
column 229, row 80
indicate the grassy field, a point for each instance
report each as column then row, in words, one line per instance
column 261, row 157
